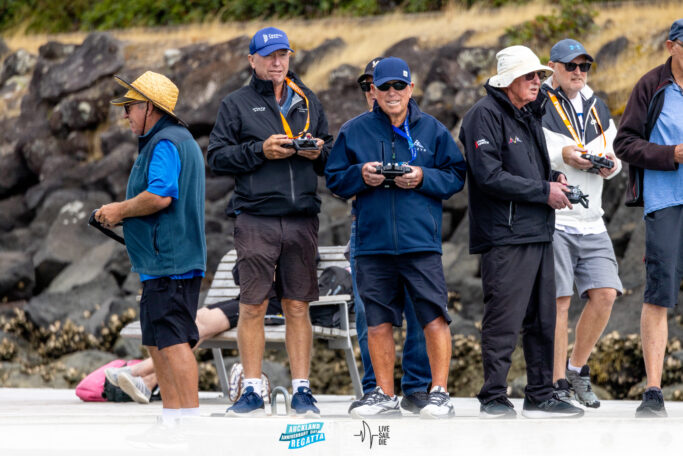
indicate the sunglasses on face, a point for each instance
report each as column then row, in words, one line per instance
column 126, row 107
column 531, row 76
column 571, row 66
column 365, row 86
column 397, row 85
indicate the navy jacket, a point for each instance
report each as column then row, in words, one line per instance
column 510, row 174
column 395, row 221
column 246, row 118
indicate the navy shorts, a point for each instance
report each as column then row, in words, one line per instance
column 664, row 256
column 382, row 281
column 168, row 309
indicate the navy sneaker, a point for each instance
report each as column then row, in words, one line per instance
column 415, row 402
column 303, row 404
column 249, row 404
column 551, row 408
column 498, row 408
column 652, row 405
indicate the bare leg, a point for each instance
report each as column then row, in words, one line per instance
column 183, row 367
column 143, row 368
column 654, row 331
column 383, row 355
column 592, row 323
column 251, row 339
column 298, row 337
column 150, row 381
column 169, row 393
column 210, row 322
column 561, row 328
column 439, row 349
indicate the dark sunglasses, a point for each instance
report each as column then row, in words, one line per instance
column 365, row 86
column 126, row 107
column 531, row 76
column 397, row 85
column 571, row 66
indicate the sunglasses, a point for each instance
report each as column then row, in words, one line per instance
column 126, row 107
column 571, row 66
column 365, row 86
column 531, row 76
column 397, row 85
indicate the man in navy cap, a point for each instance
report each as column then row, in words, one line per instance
column 577, row 126
column 276, row 205
column 398, row 237
column 650, row 140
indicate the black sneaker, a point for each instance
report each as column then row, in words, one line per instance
column 562, row 390
column 415, row 402
column 552, row 408
column 498, row 408
column 652, row 405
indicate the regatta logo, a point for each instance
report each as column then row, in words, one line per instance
column 405, row 74
column 418, row 145
column 270, row 36
column 301, row 435
column 259, row 109
column 516, row 140
column 480, row 142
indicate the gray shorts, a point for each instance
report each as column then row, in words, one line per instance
column 664, row 256
column 587, row 260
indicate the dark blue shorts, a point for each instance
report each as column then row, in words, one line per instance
column 381, row 279
column 664, row 256
column 168, row 309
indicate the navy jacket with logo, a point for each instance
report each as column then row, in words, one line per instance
column 246, row 118
column 510, row 175
column 395, row 221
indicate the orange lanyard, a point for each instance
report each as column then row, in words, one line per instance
column 285, row 124
column 570, row 127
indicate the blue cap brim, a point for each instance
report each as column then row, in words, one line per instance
column 571, row 57
column 379, row 82
column 267, row 50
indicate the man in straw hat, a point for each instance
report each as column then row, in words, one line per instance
column 163, row 225
column 512, row 196
column 276, row 208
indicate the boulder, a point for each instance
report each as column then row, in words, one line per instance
column 115, row 136
column 16, row 276
column 110, row 174
column 37, row 150
column 15, row 175
column 83, row 109
column 345, row 76
column 219, row 186
column 87, row 268
column 13, row 213
column 3, row 47
column 78, row 365
column 418, row 57
column 610, row 51
column 304, row 60
column 54, row 50
column 344, row 99
column 475, row 60
column 127, row 348
column 17, row 64
column 99, row 56
column 335, row 221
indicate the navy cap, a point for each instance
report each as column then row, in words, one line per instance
column 391, row 69
column 676, row 32
column 268, row 40
column 567, row 50
column 369, row 68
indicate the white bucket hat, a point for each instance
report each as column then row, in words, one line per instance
column 513, row 62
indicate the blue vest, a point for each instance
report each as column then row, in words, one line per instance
column 170, row 241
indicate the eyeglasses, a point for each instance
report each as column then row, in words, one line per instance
column 365, row 86
column 531, row 76
column 571, row 66
column 397, row 85
column 126, row 107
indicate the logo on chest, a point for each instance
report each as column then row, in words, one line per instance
column 514, row 140
column 259, row 109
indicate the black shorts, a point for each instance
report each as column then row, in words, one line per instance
column 231, row 308
column 382, row 279
column 168, row 309
column 664, row 256
column 290, row 243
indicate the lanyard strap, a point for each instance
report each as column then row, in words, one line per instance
column 602, row 130
column 565, row 119
column 406, row 134
column 285, row 124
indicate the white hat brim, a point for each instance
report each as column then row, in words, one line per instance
column 505, row 79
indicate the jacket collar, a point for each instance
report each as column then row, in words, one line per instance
column 666, row 75
column 414, row 112
column 536, row 108
column 162, row 123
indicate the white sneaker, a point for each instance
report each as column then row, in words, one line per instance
column 161, row 436
column 235, row 379
column 439, row 405
column 376, row 404
column 134, row 387
column 112, row 374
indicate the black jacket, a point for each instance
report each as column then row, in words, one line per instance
column 246, row 118
column 508, row 172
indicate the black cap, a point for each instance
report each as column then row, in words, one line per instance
column 369, row 68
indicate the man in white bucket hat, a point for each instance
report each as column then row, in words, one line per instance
column 512, row 196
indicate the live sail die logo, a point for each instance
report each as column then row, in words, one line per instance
column 301, row 435
column 381, row 437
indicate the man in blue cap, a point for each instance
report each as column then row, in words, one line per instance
column 399, row 163
column 577, row 125
column 650, row 140
column 256, row 139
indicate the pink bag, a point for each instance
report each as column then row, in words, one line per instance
column 90, row 389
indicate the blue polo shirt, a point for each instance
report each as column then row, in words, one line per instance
column 164, row 171
column 663, row 189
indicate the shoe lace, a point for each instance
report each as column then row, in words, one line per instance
column 651, row 395
column 505, row 401
column 438, row 398
column 306, row 396
column 375, row 396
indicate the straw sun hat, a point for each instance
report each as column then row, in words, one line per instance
column 513, row 62
column 153, row 87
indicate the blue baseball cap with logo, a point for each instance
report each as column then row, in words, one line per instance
column 391, row 69
column 268, row 40
column 676, row 32
column 567, row 50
